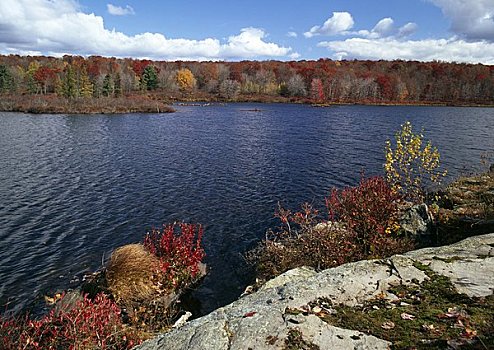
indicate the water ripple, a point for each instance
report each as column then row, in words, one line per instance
column 72, row 188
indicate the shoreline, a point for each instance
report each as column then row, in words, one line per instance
column 50, row 104
column 158, row 103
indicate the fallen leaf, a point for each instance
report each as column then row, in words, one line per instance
column 249, row 314
column 469, row 333
column 405, row 316
column 388, row 325
column 52, row 300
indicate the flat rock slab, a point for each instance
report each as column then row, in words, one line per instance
column 262, row 320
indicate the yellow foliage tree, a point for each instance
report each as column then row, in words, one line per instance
column 411, row 163
column 186, row 80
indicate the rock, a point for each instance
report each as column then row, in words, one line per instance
column 297, row 274
column 469, row 264
column 417, row 221
column 264, row 320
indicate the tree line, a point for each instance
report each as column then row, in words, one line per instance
column 323, row 80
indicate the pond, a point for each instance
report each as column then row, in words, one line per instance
column 73, row 188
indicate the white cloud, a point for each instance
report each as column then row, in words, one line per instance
column 249, row 44
column 386, row 28
column 120, row 11
column 421, row 50
column 473, row 20
column 295, row 56
column 407, row 30
column 292, row 34
column 57, row 27
column 339, row 23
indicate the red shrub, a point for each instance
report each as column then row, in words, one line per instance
column 178, row 246
column 88, row 324
column 370, row 210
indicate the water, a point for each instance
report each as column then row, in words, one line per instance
column 72, row 188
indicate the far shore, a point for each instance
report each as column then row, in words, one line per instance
column 160, row 103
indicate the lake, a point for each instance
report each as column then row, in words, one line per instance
column 73, row 188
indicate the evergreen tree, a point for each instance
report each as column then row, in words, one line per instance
column 59, row 89
column 5, row 79
column 149, row 78
column 70, row 83
column 108, row 85
column 118, row 85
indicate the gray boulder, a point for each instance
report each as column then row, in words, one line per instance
column 264, row 320
column 417, row 221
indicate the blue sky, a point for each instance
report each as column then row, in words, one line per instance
column 449, row 30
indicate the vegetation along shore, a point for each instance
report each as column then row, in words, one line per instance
column 74, row 84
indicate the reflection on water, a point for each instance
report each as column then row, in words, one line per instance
column 72, row 188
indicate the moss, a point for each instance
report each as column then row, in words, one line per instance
column 440, row 314
column 295, row 341
column 449, row 259
column 421, row 267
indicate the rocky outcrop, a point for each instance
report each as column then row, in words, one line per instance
column 264, row 320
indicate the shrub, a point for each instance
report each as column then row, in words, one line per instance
column 370, row 210
column 178, row 248
column 88, row 324
column 320, row 249
column 362, row 224
column 411, row 163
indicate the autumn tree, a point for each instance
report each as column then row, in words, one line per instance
column 45, row 79
column 185, row 80
column 316, row 89
column 167, row 79
column 31, row 83
column 411, row 162
column 86, row 87
column 229, row 89
column 296, row 86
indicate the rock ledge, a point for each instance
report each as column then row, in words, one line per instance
column 262, row 320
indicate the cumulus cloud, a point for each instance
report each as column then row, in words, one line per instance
column 339, row 23
column 407, row 30
column 120, row 11
column 57, row 27
column 422, row 50
column 472, row 20
column 249, row 43
column 292, row 34
column 386, row 28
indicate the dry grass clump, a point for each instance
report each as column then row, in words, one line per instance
column 131, row 274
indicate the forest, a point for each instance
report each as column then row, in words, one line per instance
column 323, row 81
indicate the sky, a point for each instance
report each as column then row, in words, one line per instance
column 424, row 30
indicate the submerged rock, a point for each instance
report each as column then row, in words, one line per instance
column 279, row 313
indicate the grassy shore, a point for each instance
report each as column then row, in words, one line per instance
column 52, row 104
